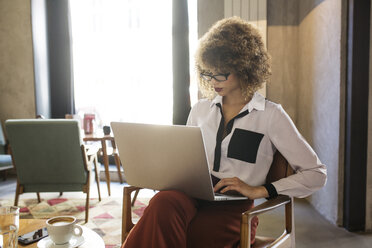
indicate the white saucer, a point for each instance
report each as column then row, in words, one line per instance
column 48, row 243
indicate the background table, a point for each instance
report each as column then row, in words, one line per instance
column 92, row 239
column 100, row 137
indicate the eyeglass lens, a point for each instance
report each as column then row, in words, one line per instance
column 219, row 77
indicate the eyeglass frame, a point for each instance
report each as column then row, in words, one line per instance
column 208, row 77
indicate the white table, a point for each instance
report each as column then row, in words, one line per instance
column 92, row 239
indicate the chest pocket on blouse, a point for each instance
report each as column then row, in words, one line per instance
column 244, row 145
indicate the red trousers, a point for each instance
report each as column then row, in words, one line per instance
column 175, row 220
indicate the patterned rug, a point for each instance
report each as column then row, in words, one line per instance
column 104, row 216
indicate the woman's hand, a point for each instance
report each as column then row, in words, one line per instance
column 252, row 192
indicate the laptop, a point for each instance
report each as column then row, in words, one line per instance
column 166, row 157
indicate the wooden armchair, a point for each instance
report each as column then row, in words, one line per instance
column 49, row 157
column 279, row 169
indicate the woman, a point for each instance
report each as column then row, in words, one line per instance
column 241, row 131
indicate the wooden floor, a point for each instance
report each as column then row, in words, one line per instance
column 312, row 230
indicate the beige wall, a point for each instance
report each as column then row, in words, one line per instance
column 305, row 43
column 318, row 113
column 283, row 47
column 17, row 98
column 209, row 11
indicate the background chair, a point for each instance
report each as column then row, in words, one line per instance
column 5, row 159
column 279, row 169
column 49, row 157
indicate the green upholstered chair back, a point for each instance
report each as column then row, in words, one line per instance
column 47, row 154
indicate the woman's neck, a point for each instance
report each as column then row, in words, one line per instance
column 235, row 100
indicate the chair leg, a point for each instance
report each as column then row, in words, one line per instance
column 38, row 197
column 127, row 223
column 87, row 208
column 18, row 190
column 97, row 177
column 135, row 197
column 106, row 164
column 117, row 162
column 87, row 201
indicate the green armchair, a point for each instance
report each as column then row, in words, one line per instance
column 49, row 157
column 5, row 159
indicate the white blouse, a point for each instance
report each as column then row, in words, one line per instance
column 247, row 151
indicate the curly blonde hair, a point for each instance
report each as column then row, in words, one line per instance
column 232, row 45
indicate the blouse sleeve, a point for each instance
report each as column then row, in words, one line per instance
column 310, row 174
column 196, row 113
column 191, row 120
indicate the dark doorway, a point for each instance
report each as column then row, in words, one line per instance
column 356, row 126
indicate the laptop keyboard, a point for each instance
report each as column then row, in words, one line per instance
column 223, row 197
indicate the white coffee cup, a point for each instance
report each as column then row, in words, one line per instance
column 62, row 228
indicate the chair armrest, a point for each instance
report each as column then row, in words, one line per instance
column 87, row 165
column 268, row 205
column 127, row 223
column 245, row 235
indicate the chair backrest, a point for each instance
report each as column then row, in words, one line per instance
column 279, row 169
column 47, row 152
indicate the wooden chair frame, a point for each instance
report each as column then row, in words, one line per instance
column 286, row 239
column 280, row 168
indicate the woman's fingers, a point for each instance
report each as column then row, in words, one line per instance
column 229, row 188
column 235, row 184
column 222, row 183
column 227, row 183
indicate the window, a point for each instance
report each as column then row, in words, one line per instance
column 122, row 53
column 123, row 59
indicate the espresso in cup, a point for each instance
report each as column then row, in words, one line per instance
column 62, row 228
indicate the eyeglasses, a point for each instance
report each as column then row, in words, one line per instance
column 218, row 77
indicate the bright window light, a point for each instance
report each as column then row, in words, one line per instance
column 122, row 59
column 122, row 55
